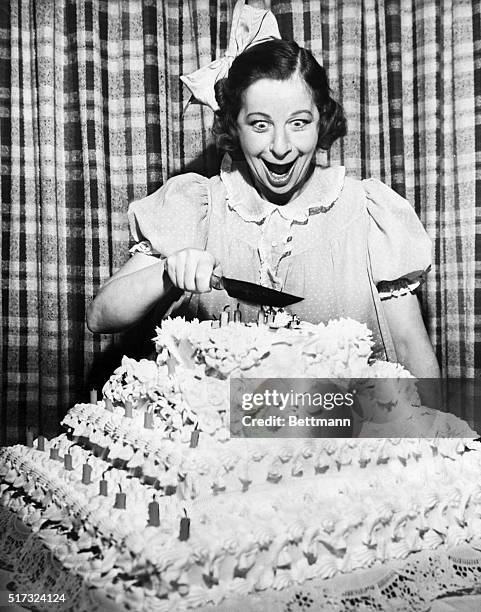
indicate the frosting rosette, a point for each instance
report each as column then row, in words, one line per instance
column 344, row 344
column 207, row 397
column 234, row 348
column 162, row 510
column 134, row 380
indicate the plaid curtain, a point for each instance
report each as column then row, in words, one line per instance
column 92, row 117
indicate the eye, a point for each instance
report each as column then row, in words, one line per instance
column 260, row 125
column 298, row 124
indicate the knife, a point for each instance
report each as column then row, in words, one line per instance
column 241, row 290
column 252, row 293
column 244, row 291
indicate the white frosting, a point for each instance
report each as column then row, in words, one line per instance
column 264, row 514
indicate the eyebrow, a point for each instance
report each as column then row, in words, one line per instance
column 298, row 112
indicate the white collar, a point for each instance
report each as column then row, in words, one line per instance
column 320, row 193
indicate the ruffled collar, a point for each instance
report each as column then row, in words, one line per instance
column 319, row 195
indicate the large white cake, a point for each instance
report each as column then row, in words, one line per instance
column 159, row 495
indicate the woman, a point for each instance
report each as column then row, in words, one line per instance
column 350, row 248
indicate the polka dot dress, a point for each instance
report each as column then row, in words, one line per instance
column 333, row 245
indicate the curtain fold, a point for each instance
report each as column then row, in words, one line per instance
column 93, row 115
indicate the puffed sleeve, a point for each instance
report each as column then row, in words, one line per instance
column 399, row 247
column 172, row 218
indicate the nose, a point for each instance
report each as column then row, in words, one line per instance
column 280, row 145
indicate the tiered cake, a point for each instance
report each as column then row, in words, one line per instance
column 150, row 496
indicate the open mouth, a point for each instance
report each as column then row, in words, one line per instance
column 279, row 170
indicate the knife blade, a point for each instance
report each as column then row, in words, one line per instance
column 252, row 293
column 240, row 290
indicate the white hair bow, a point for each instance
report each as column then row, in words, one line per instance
column 250, row 26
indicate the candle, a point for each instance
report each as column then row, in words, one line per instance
column 29, row 437
column 184, row 528
column 171, row 363
column 67, row 461
column 108, row 404
column 261, row 319
column 154, row 518
column 86, row 473
column 103, row 488
column 294, row 321
column 142, row 402
column 93, row 396
column 120, row 501
column 237, row 315
column 128, row 408
column 148, row 420
column 194, row 438
column 41, row 443
column 54, row 453
column 224, row 317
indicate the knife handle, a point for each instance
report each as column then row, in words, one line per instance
column 173, row 294
column 216, row 282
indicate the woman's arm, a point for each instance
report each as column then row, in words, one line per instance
column 140, row 283
column 411, row 341
column 413, row 347
column 128, row 295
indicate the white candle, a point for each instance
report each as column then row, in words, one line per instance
column 224, row 317
column 154, row 517
column 128, row 408
column 54, row 453
column 120, row 501
column 184, row 531
column 86, row 474
column 148, row 420
column 171, row 363
column 67, row 462
column 29, row 438
column 194, row 438
column 108, row 404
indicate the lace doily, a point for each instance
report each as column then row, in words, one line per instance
column 402, row 586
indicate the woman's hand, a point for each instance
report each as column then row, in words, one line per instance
column 191, row 269
column 143, row 281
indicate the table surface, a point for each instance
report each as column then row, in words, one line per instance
column 4, row 607
column 465, row 603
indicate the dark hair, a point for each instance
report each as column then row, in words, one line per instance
column 279, row 60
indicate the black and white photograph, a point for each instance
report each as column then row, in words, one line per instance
column 240, row 305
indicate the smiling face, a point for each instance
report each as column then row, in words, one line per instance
column 277, row 129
